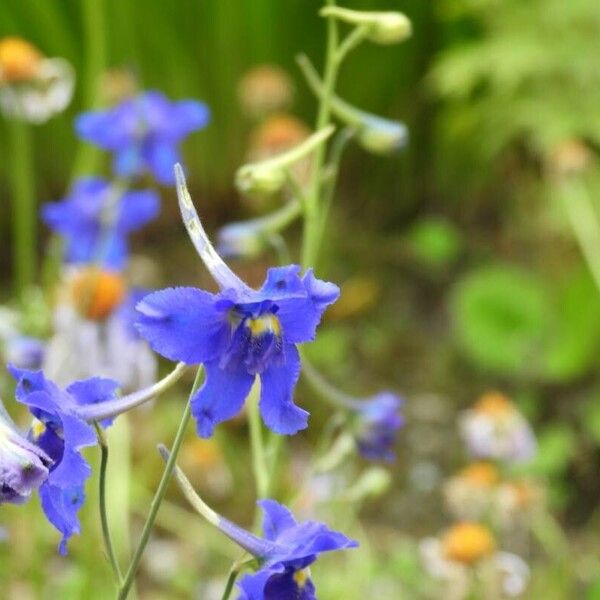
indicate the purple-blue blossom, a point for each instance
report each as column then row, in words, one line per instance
column 377, row 423
column 238, row 334
column 96, row 218
column 23, row 466
column 285, row 552
column 60, row 432
column 144, row 133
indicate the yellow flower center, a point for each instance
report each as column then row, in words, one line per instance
column 97, row 293
column 268, row 323
column 495, row 405
column 301, row 577
column 37, row 429
column 19, row 60
column 467, row 543
column 480, row 474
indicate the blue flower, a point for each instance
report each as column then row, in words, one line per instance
column 60, row 432
column 23, row 466
column 82, row 219
column 378, row 422
column 285, row 553
column 237, row 334
column 144, row 133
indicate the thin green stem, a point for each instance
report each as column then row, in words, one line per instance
column 160, row 492
column 110, row 551
column 312, row 212
column 24, row 219
column 235, row 570
column 259, row 464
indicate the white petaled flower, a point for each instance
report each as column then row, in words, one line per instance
column 494, row 428
column 94, row 333
column 466, row 552
column 472, row 492
column 33, row 88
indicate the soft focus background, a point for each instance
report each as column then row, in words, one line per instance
column 458, row 261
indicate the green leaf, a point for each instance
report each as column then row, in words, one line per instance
column 500, row 315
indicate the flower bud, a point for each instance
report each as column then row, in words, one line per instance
column 269, row 176
column 25, row 352
column 375, row 134
column 23, row 466
column 383, row 28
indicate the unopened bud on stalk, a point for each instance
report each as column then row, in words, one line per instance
column 375, row 134
column 383, row 27
column 268, row 176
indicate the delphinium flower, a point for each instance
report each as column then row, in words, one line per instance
column 96, row 218
column 144, row 133
column 61, row 432
column 375, row 421
column 466, row 550
column 237, row 334
column 23, row 466
column 494, row 428
column 32, row 88
column 283, row 554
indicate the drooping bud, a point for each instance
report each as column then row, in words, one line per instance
column 247, row 239
column 383, row 28
column 374, row 133
column 23, row 466
column 268, row 176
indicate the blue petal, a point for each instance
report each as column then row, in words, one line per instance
column 137, row 209
column 188, row 116
column 128, row 160
column 61, row 507
column 283, row 586
column 161, row 158
column 253, row 586
column 99, row 128
column 277, row 408
column 277, row 518
column 184, row 324
column 300, row 315
column 220, row 398
column 29, row 381
column 309, row 539
column 283, row 282
column 93, row 391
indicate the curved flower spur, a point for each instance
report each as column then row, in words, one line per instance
column 238, row 333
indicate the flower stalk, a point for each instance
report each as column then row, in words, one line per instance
column 160, row 493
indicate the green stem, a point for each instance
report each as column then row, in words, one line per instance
column 110, row 551
column 24, row 220
column 160, row 492
column 259, row 464
column 312, row 213
column 94, row 34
